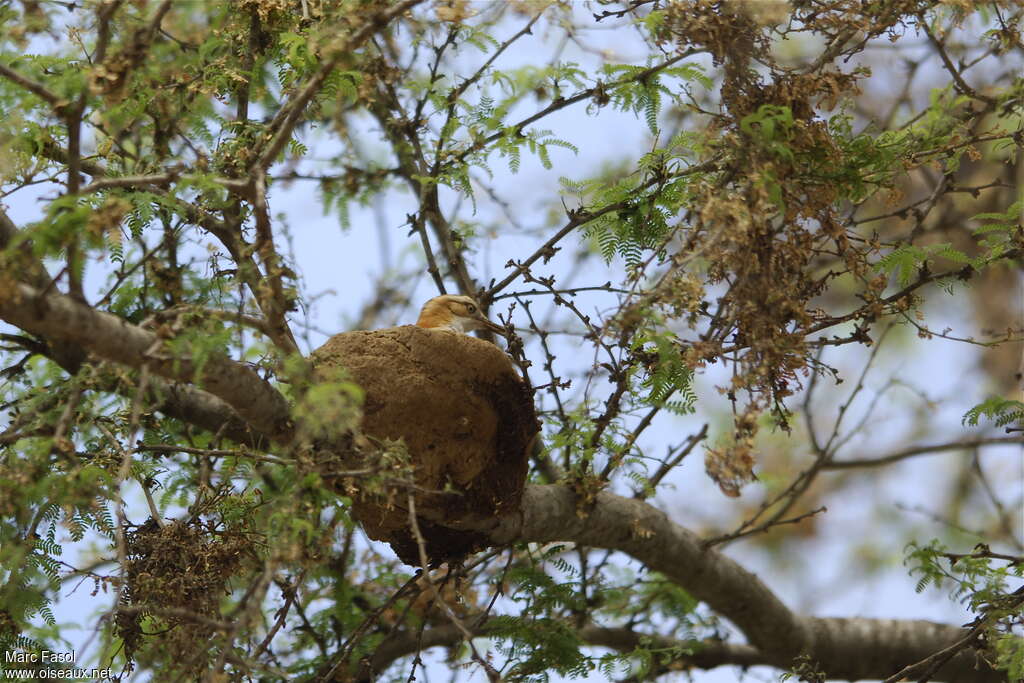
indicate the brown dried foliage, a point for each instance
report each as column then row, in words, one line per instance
column 769, row 226
column 176, row 575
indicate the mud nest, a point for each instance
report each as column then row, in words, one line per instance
column 466, row 418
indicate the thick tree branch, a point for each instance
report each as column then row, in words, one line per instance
column 22, row 263
column 37, row 89
column 843, row 644
column 854, row 649
column 200, row 408
column 60, row 318
column 550, row 513
column 181, row 401
column 706, row 654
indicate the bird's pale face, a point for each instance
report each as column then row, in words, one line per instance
column 456, row 313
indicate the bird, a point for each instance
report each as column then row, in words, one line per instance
column 454, row 313
column 461, row 314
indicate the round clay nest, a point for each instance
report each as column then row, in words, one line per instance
column 466, row 418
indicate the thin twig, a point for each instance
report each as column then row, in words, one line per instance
column 218, row 453
column 671, row 462
column 287, row 116
column 928, row 666
column 921, row 450
column 492, row 674
column 37, row 89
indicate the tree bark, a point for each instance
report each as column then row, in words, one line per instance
column 845, row 648
column 62, row 319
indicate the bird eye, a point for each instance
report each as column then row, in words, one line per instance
column 471, row 308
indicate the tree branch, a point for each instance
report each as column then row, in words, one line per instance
column 200, row 408
column 549, row 513
column 288, row 116
column 59, row 317
column 967, row 444
column 843, row 638
column 37, row 89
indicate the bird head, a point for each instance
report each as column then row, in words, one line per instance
column 457, row 314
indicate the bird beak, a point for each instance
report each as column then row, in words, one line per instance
column 490, row 326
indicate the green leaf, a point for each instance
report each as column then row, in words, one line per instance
column 1002, row 411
